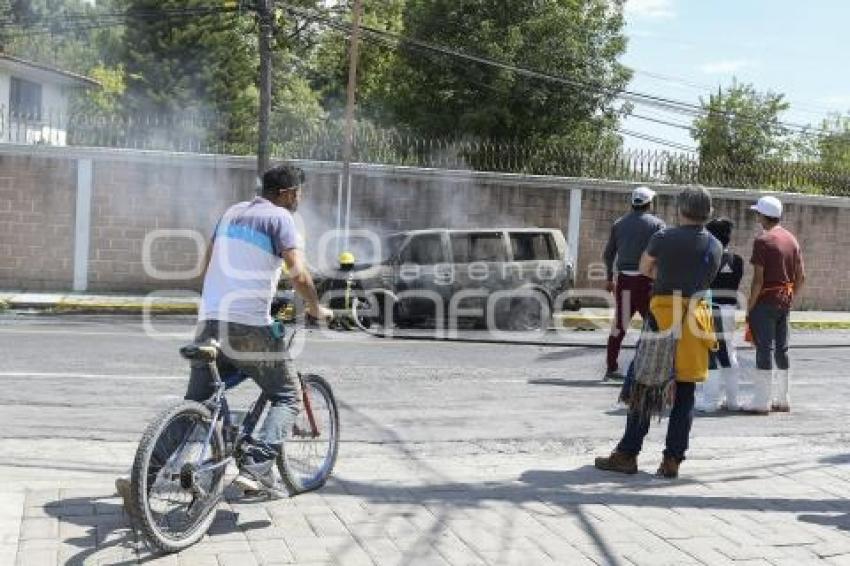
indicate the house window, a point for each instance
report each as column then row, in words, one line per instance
column 25, row 99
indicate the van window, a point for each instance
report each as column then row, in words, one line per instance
column 529, row 246
column 481, row 246
column 425, row 249
column 392, row 245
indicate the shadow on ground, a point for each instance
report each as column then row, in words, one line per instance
column 103, row 533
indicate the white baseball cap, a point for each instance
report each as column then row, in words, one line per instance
column 768, row 206
column 642, row 195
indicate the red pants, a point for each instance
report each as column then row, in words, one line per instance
column 632, row 295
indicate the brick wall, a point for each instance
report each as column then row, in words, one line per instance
column 36, row 222
column 136, row 193
column 133, row 199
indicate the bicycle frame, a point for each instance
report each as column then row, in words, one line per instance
column 221, row 412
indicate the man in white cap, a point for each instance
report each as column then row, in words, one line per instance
column 629, row 238
column 778, row 277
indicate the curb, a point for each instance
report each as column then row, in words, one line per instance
column 571, row 319
column 73, row 307
column 604, row 323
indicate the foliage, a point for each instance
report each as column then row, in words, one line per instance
column 828, row 145
column 329, row 61
column 742, row 126
column 439, row 95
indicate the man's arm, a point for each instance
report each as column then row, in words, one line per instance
column 648, row 265
column 756, row 286
column 205, row 262
column 799, row 276
column 608, row 256
column 303, row 283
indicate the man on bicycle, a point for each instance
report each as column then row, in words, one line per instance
column 243, row 268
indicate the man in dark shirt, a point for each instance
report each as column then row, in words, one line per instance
column 778, row 276
column 683, row 261
column 629, row 238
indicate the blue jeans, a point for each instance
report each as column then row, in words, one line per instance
column 266, row 363
column 678, row 429
column 769, row 325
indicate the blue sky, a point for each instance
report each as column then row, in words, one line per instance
column 689, row 47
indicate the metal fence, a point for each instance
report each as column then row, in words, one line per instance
column 205, row 133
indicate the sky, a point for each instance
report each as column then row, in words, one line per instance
column 684, row 49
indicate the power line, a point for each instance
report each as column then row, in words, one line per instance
column 396, row 40
column 659, row 121
column 636, row 97
column 656, row 140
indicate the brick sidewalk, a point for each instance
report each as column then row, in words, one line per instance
column 772, row 504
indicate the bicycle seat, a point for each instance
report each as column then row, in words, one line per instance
column 206, row 351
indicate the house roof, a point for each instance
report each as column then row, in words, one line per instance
column 44, row 72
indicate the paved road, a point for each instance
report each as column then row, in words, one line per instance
column 460, row 453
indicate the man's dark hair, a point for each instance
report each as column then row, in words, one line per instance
column 721, row 228
column 641, row 207
column 281, row 177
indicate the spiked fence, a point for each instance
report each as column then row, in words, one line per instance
column 202, row 133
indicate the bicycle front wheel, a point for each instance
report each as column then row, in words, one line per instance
column 174, row 492
column 309, row 451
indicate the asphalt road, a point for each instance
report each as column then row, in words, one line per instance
column 90, row 378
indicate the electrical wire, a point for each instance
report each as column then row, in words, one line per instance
column 636, row 97
column 78, row 23
column 657, row 140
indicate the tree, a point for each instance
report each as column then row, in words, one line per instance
column 207, row 63
column 741, row 126
column 40, row 31
column 329, row 61
column 445, row 96
column 186, row 61
column 829, row 145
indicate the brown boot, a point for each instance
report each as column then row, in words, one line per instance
column 618, row 462
column 669, row 467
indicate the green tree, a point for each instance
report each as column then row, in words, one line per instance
column 829, row 145
column 190, row 63
column 61, row 33
column 328, row 70
column 741, row 126
column 441, row 95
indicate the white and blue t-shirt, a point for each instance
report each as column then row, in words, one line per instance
column 245, row 264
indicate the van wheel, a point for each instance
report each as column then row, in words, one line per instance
column 529, row 312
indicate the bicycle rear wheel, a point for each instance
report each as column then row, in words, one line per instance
column 174, row 502
column 309, row 451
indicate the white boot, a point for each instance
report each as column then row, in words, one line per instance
column 762, row 380
column 709, row 400
column 730, row 378
column 782, row 395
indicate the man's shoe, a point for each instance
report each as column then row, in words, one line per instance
column 122, row 486
column 260, row 476
column 614, row 376
column 669, row 468
column 617, row 462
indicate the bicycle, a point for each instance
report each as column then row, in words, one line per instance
column 177, row 479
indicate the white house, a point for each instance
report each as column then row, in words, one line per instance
column 34, row 101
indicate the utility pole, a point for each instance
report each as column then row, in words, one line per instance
column 264, row 14
column 353, row 57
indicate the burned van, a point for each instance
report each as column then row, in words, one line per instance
column 508, row 278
